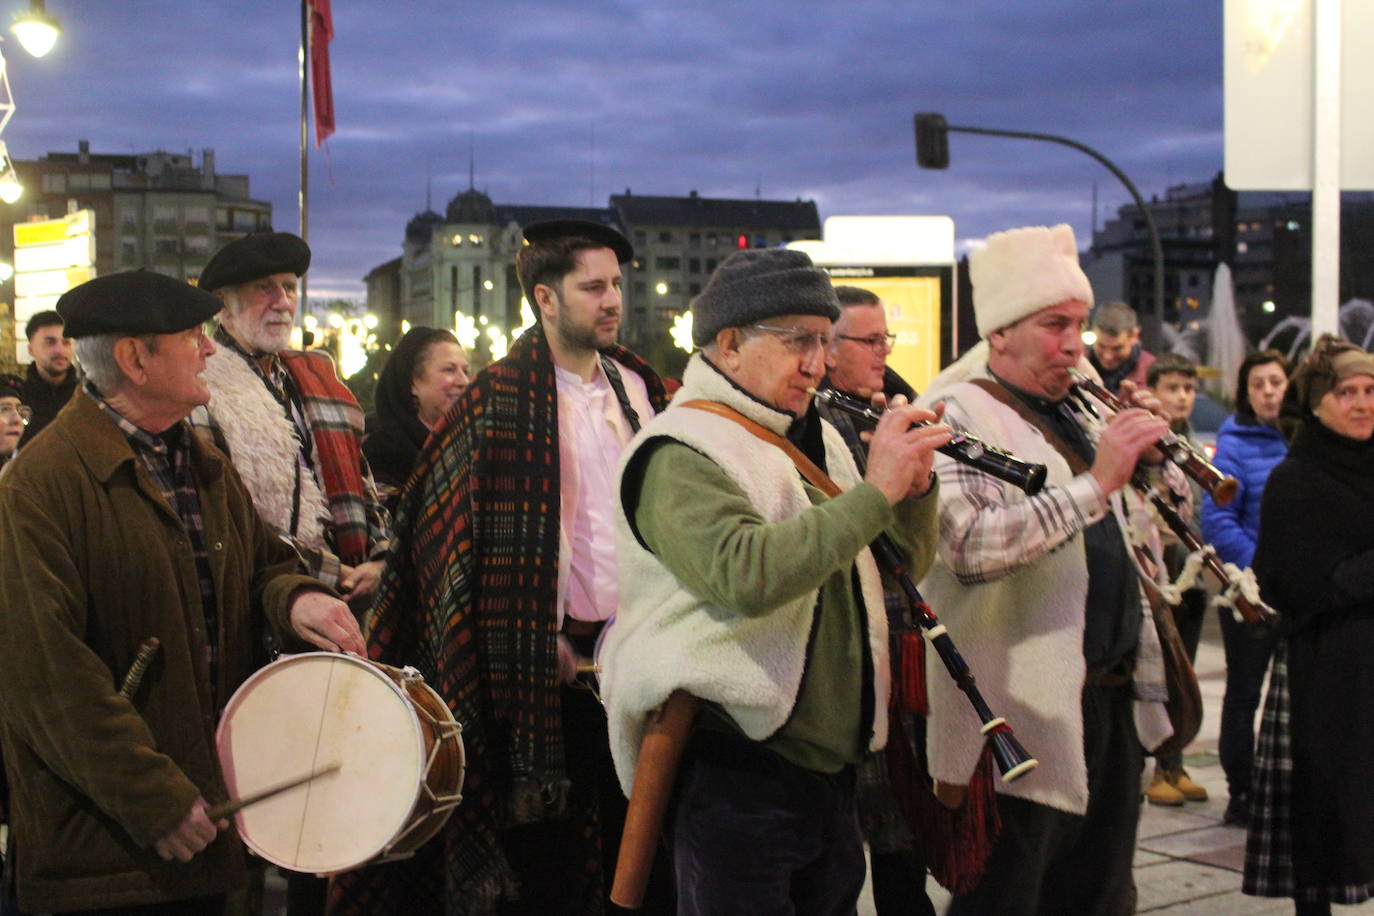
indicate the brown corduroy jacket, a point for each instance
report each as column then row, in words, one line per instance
column 93, row 561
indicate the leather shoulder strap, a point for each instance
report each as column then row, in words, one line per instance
column 1076, row 463
column 814, row 475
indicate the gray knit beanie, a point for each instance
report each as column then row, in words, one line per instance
column 759, row 283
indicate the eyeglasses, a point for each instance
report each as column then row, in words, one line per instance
column 878, row 343
column 9, row 411
column 799, row 342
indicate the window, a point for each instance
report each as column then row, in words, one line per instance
column 198, row 244
column 78, row 182
column 165, row 246
column 199, row 215
column 641, row 289
column 641, row 237
column 55, row 184
column 665, row 236
column 100, row 182
column 711, row 264
column 667, row 263
column 694, row 240
column 128, row 254
column 693, row 289
column 694, row 265
column 222, row 219
column 129, row 219
column 245, row 221
column 164, row 214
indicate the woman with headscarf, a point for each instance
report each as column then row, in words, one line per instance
column 427, row 373
column 1249, row 445
column 1312, row 817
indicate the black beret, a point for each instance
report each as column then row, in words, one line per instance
column 256, row 255
column 134, row 302
column 553, row 229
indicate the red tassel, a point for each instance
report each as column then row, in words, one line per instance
column 913, row 674
column 956, row 843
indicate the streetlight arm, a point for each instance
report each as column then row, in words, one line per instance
column 1153, row 325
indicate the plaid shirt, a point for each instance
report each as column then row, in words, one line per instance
column 167, row 459
column 986, row 536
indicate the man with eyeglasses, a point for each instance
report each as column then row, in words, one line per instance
column 856, row 366
column 744, row 583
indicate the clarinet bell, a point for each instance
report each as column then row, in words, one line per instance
column 1013, row 760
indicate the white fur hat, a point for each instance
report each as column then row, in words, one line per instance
column 1021, row 271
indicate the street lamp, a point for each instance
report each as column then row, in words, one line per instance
column 932, row 152
column 36, row 30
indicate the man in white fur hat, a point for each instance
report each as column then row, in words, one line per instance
column 744, row 584
column 1042, row 593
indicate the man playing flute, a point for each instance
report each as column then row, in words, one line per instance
column 1043, row 593
column 744, row 584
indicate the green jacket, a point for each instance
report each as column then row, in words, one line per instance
column 92, row 562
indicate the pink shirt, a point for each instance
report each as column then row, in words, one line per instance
column 592, row 434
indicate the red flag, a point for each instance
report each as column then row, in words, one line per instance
column 321, row 34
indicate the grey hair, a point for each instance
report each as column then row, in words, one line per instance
column 96, row 356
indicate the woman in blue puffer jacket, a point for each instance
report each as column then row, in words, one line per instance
column 1249, row 444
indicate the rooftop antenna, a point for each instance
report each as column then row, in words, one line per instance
column 591, row 181
column 472, row 164
column 758, row 188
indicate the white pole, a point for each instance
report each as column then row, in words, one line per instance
column 1326, row 166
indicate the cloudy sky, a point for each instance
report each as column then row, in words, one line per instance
column 568, row 102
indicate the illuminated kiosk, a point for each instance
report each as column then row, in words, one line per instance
column 50, row 257
column 908, row 262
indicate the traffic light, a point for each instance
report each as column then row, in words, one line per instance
column 932, row 141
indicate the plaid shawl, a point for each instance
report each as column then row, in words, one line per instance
column 468, row 597
column 336, row 426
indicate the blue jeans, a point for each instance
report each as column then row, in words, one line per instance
column 1247, row 658
column 756, row 835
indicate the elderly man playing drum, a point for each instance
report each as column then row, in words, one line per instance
column 750, row 588
column 1043, row 593
column 116, row 526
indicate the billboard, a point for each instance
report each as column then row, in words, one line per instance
column 50, row 257
column 908, row 263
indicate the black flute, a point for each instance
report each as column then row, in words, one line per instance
column 975, row 453
column 1257, row 615
column 1013, row 761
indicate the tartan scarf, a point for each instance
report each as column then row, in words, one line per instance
column 469, row 597
column 336, row 428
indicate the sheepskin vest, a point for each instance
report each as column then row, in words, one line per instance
column 1022, row 635
column 264, row 447
column 664, row 638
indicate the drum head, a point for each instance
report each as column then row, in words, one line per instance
column 303, row 713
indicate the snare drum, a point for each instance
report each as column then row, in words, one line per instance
column 399, row 749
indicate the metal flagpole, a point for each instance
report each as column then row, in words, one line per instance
column 303, row 198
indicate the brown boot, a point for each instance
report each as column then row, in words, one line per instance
column 1161, row 792
column 1187, row 788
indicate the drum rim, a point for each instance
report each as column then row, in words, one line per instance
column 375, row 668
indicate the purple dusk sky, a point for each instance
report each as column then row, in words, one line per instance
column 567, row 103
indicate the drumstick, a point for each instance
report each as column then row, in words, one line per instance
column 146, row 650
column 230, row 808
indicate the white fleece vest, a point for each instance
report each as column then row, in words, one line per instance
column 263, row 445
column 665, row 639
column 1022, row 636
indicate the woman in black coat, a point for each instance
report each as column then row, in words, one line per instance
column 1312, row 830
column 424, row 377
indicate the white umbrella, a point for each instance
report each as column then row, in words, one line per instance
column 1226, row 344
